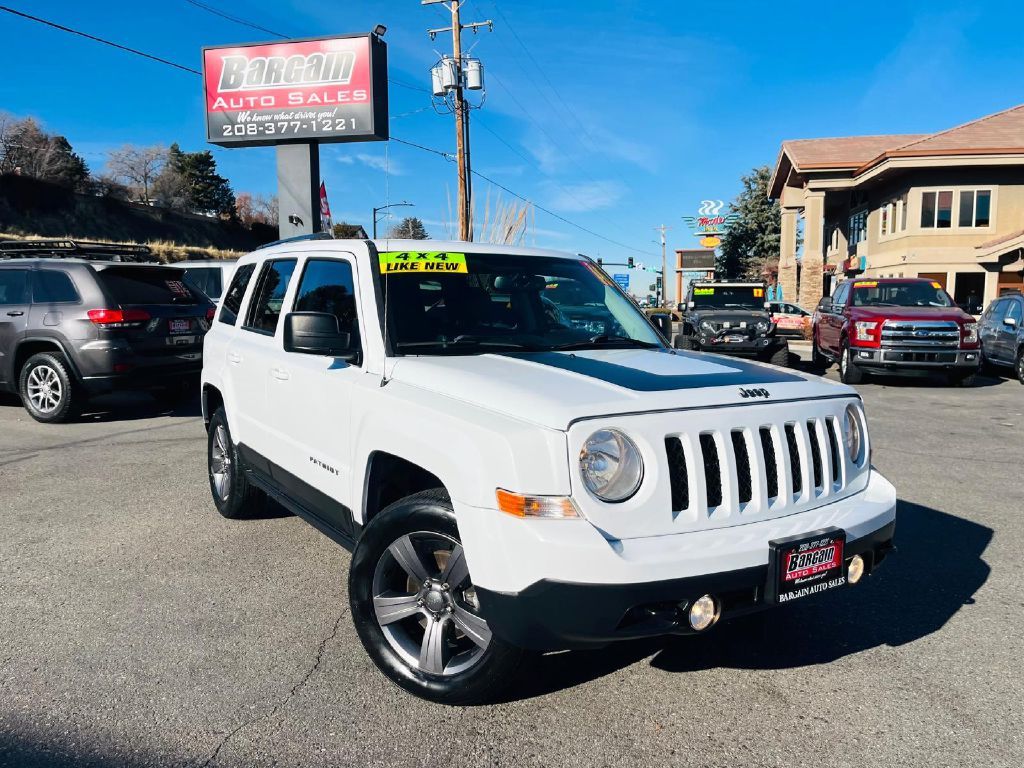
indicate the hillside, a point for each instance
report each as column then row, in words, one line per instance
column 30, row 207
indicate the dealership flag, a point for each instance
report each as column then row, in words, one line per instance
column 325, row 209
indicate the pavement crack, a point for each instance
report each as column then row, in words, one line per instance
column 284, row 700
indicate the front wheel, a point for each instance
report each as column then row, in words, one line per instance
column 681, row 341
column 849, row 371
column 1019, row 365
column 818, row 360
column 416, row 609
column 780, row 356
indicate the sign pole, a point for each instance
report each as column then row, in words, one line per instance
column 298, row 189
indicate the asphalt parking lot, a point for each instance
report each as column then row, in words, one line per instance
column 138, row 627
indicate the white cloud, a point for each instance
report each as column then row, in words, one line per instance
column 374, row 162
column 585, row 196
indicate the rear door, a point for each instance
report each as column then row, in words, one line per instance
column 14, row 307
column 164, row 319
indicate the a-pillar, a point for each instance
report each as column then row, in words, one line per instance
column 787, row 254
column 811, row 287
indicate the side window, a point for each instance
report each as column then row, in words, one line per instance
column 13, row 286
column 1013, row 311
column 327, row 286
column 52, row 287
column 265, row 307
column 206, row 279
column 996, row 310
column 840, row 297
column 232, row 303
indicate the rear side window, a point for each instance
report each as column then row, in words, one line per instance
column 206, row 279
column 265, row 307
column 51, row 287
column 232, row 303
column 13, row 286
column 146, row 285
column 327, row 286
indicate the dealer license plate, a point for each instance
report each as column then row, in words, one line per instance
column 805, row 565
column 735, row 339
column 180, row 326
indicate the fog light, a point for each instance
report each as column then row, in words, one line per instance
column 703, row 612
column 855, row 569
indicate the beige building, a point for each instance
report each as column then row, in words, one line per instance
column 948, row 206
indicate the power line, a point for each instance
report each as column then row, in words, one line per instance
column 446, row 155
column 112, row 44
column 236, row 19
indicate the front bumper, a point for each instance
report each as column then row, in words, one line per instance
column 554, row 615
column 763, row 345
column 901, row 358
column 561, row 583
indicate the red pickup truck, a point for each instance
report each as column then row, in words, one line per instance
column 895, row 326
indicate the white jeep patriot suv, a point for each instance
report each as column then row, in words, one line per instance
column 518, row 459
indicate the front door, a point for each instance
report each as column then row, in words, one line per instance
column 14, row 306
column 310, row 398
column 1006, row 332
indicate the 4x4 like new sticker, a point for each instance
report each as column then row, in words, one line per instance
column 436, row 262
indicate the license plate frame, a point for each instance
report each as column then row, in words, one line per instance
column 788, row 582
column 177, row 325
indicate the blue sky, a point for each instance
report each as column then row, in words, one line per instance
column 655, row 105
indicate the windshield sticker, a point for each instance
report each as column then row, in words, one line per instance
column 439, row 262
column 870, row 284
column 759, row 293
column 937, row 285
column 703, row 291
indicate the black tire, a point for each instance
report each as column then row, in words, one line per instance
column 780, row 356
column 48, row 390
column 818, row 360
column 419, row 522
column 849, row 371
column 1019, row 365
column 682, row 341
column 987, row 368
column 232, row 493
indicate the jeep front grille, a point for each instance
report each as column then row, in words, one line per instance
column 921, row 334
column 792, row 464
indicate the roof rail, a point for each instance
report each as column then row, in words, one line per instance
column 75, row 249
column 298, row 239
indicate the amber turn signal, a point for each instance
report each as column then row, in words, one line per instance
column 559, row 507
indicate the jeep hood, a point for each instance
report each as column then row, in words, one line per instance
column 554, row 389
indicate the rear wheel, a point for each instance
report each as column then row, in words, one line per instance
column 234, row 496
column 849, row 371
column 48, row 391
column 1019, row 366
column 416, row 610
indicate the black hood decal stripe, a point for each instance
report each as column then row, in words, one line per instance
column 638, row 380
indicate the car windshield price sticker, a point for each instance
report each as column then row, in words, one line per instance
column 437, row 262
column 703, row 291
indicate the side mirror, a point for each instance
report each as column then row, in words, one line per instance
column 317, row 333
column 1010, row 322
column 691, row 305
column 664, row 324
column 825, row 305
column 767, row 306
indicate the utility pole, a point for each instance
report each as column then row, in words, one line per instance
column 661, row 298
column 460, row 107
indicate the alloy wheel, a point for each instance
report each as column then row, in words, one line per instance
column 844, row 361
column 220, row 463
column 426, row 605
column 44, row 388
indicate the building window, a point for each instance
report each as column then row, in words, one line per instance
column 858, row 227
column 893, row 215
column 973, row 209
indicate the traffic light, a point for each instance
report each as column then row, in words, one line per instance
column 629, row 262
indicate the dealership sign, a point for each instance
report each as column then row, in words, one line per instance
column 323, row 90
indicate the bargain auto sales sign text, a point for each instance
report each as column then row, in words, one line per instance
column 323, row 90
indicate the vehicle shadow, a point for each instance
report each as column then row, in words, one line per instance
column 933, row 381
column 911, row 596
column 123, row 406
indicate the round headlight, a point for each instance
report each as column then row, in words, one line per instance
column 762, row 326
column 611, row 465
column 852, row 434
column 707, row 326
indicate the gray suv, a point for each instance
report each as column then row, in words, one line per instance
column 77, row 321
column 1001, row 331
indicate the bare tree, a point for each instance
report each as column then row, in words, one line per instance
column 25, row 148
column 265, row 209
column 137, row 167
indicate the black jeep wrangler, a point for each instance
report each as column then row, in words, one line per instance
column 730, row 318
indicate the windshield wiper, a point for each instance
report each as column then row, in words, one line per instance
column 604, row 339
column 464, row 341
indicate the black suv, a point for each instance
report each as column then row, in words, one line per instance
column 1001, row 332
column 80, row 319
column 730, row 318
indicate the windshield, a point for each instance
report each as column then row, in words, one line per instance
column 728, row 297
column 464, row 304
column 916, row 293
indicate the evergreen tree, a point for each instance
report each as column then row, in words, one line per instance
column 189, row 181
column 752, row 240
column 409, row 228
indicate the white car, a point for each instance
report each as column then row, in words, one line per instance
column 512, row 479
column 211, row 277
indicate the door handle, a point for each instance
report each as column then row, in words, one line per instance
column 15, row 313
column 280, row 374
column 234, row 357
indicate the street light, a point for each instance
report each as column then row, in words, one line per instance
column 385, row 207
